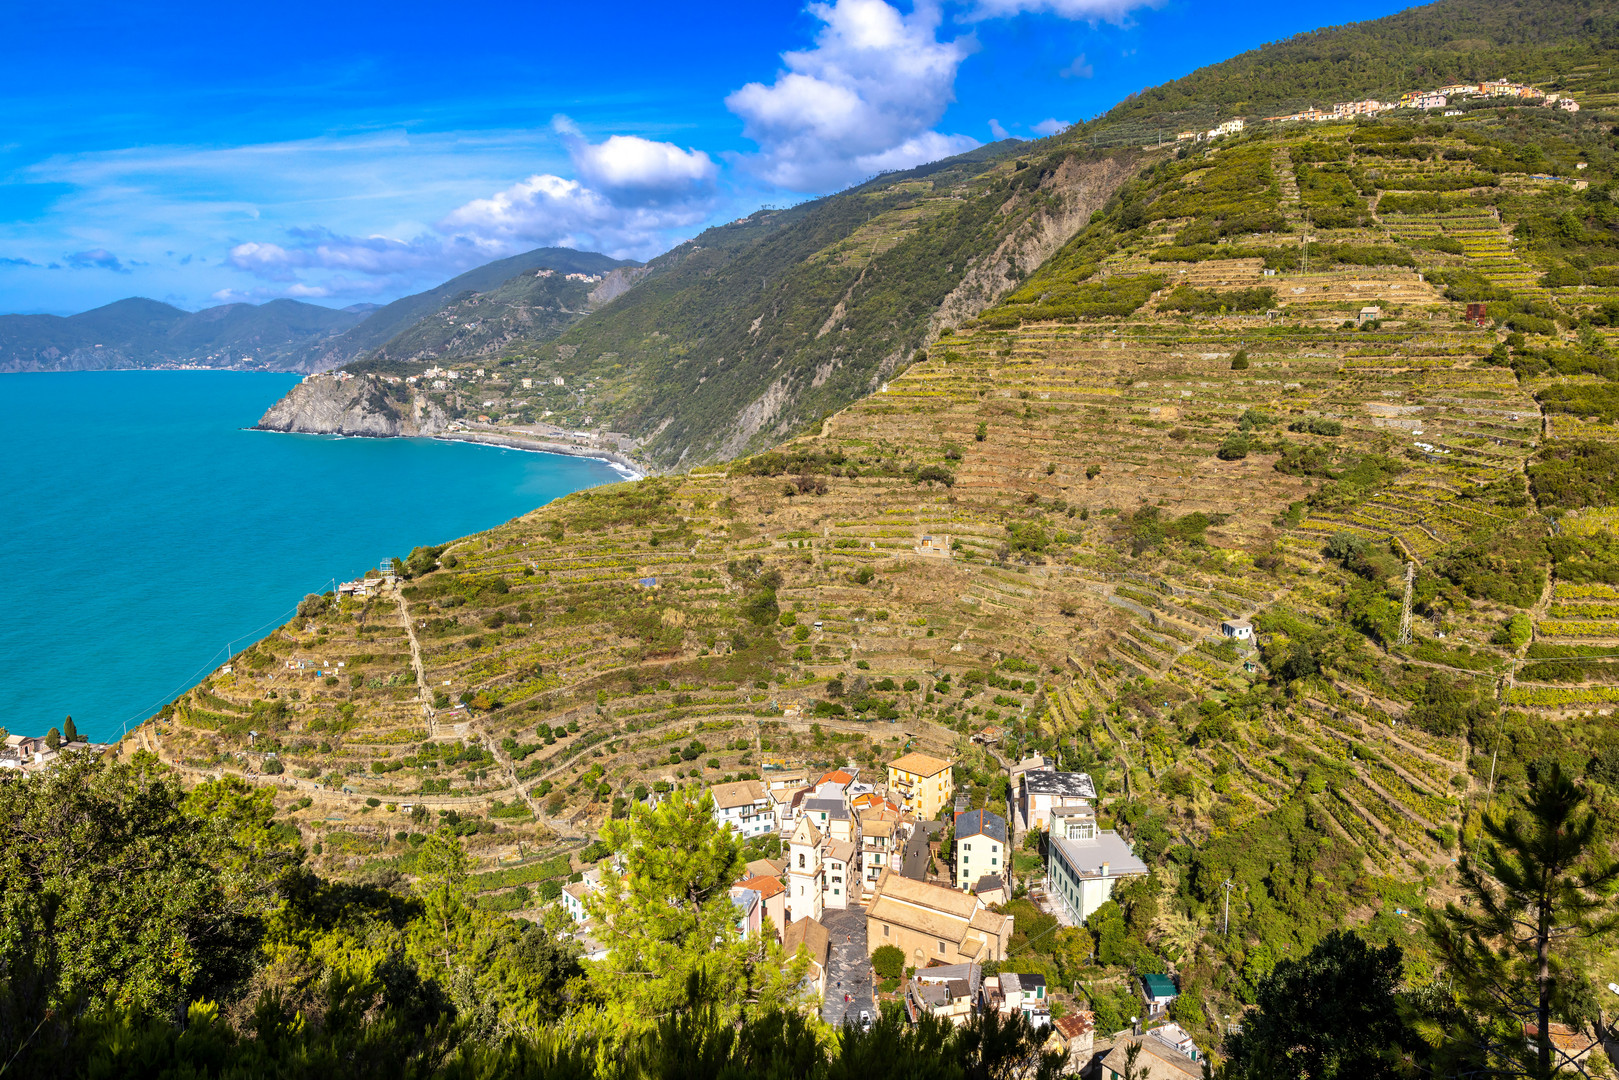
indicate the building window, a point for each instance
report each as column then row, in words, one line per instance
column 801, row 860
column 885, row 929
column 941, row 948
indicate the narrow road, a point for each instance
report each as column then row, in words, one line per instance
column 848, row 968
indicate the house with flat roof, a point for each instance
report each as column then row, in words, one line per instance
column 932, row 923
column 1081, row 871
column 921, row 784
column 1010, row 992
column 949, row 992
column 1040, row 790
column 980, row 847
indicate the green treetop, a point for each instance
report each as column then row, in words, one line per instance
column 666, row 916
column 1540, row 891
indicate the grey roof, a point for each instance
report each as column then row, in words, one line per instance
column 832, row 808
column 981, row 823
column 989, row 883
column 1085, row 857
column 1068, row 785
column 971, row 974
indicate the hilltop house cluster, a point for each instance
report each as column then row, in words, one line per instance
column 1441, row 98
column 873, row 847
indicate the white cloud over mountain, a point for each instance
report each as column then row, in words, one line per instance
column 863, row 100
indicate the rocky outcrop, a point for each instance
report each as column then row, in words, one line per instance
column 363, row 405
column 1077, row 189
column 617, row 283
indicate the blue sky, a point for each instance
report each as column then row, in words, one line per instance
column 343, row 153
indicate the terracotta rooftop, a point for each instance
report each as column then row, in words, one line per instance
column 920, row 764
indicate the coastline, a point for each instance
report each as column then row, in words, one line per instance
column 619, row 461
column 514, row 442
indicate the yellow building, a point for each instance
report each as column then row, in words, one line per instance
column 920, row 784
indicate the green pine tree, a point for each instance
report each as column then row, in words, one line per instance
column 1540, row 891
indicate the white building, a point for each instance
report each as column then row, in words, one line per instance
column 1084, row 863
column 838, row 871
column 745, row 808
column 980, row 848
column 806, row 877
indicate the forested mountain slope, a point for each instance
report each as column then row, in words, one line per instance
column 400, row 316
column 757, row 329
column 1569, row 43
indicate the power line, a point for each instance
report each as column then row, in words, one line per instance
column 142, row 714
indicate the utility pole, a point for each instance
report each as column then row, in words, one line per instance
column 1226, row 932
column 1405, row 608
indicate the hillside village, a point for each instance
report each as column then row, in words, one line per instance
column 899, row 876
column 1227, row 584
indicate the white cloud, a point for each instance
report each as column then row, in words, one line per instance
column 996, row 129
column 1081, row 68
column 1049, row 126
column 864, row 99
column 633, row 170
column 1113, row 11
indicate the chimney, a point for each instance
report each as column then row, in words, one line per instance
column 1104, row 869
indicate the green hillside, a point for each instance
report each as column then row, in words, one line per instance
column 1279, row 496
column 757, row 329
column 527, row 308
column 396, row 318
column 1567, row 44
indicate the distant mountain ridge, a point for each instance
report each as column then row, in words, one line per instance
column 138, row 333
column 281, row 335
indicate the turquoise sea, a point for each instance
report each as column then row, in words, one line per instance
column 144, row 533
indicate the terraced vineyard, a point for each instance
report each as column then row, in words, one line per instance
column 1247, row 392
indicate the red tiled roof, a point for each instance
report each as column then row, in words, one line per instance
column 836, row 776
column 766, row 887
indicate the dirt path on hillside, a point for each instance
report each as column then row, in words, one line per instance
column 423, row 690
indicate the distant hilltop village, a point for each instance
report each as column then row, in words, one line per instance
column 1411, row 99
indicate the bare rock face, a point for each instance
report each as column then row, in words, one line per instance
column 328, row 405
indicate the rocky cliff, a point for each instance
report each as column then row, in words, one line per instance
column 364, row 405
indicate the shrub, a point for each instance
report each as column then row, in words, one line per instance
column 888, row 961
column 1575, row 474
column 1234, row 447
column 1239, row 362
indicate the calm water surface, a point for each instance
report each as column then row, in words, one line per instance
column 143, row 532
